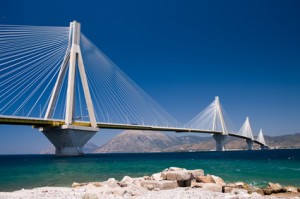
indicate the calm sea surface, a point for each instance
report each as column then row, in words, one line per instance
column 254, row 167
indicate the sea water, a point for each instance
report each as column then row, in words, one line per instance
column 253, row 167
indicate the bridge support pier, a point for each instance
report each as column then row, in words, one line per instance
column 68, row 139
column 263, row 147
column 220, row 142
column 249, row 144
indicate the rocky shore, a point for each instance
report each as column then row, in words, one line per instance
column 170, row 183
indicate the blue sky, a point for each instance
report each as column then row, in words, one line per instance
column 183, row 53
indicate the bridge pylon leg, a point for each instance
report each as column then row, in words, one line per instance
column 249, row 144
column 263, row 147
column 220, row 142
column 68, row 139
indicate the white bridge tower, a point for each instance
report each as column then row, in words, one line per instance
column 69, row 139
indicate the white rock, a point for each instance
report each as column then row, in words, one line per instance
column 127, row 180
column 165, row 184
column 156, row 176
column 196, row 172
column 175, row 169
column 218, row 180
column 211, row 187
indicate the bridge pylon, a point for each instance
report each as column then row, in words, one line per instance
column 260, row 138
column 218, row 119
column 69, row 139
column 246, row 131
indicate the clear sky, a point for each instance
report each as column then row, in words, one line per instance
column 183, row 53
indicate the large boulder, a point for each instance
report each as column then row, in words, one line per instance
column 183, row 177
column 218, row 180
column 197, row 172
column 196, row 184
column 274, row 188
column 205, row 179
column 127, row 180
column 164, row 184
column 156, row 176
column 211, row 187
column 291, row 189
column 177, row 175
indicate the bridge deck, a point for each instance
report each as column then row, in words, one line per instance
column 40, row 122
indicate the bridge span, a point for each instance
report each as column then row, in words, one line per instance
column 46, row 123
column 57, row 73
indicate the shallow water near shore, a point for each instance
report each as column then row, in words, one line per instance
column 254, row 167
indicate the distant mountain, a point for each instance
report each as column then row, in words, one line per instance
column 148, row 141
column 137, row 141
column 284, row 141
column 88, row 148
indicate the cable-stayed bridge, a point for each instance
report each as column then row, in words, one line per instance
column 55, row 79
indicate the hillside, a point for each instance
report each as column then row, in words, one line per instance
column 145, row 141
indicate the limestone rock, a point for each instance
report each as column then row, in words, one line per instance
column 228, row 189
column 165, row 184
column 112, row 183
column 127, row 180
column 179, row 175
column 76, row 184
column 156, row 176
column 211, row 187
column 196, row 184
column 291, row 189
column 253, row 189
column 218, row 180
column 274, row 188
column 205, row 179
column 146, row 177
column 197, row 172
column 137, row 181
column 239, row 185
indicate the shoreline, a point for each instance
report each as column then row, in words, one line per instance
column 172, row 182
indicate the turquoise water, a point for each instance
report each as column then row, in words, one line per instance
column 254, row 167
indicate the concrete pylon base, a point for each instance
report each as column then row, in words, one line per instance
column 220, row 142
column 263, row 147
column 249, row 144
column 68, row 139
